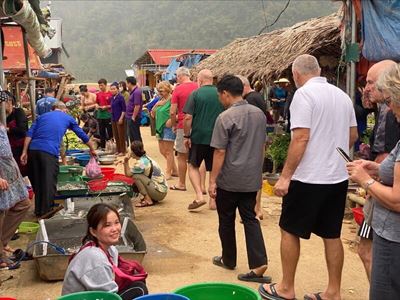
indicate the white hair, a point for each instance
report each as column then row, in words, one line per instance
column 183, row 71
column 244, row 80
column 306, row 64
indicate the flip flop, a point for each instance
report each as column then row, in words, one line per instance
column 273, row 295
column 144, row 204
column 253, row 277
column 195, row 204
column 217, row 260
column 317, row 296
column 175, row 188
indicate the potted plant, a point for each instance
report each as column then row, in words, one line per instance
column 277, row 152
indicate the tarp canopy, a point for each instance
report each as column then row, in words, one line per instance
column 381, row 29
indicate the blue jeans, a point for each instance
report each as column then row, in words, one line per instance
column 385, row 275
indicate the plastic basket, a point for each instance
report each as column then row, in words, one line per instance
column 358, row 215
column 28, row 227
column 218, row 291
column 91, row 296
column 107, row 172
column 97, row 184
column 123, row 178
column 162, row 297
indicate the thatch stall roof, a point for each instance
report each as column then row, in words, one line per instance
column 269, row 55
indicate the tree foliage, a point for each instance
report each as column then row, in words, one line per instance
column 104, row 38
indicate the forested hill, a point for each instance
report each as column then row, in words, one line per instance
column 103, row 38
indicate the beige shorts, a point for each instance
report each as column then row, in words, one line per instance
column 179, row 142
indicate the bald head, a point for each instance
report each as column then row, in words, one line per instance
column 370, row 91
column 244, row 80
column 304, row 68
column 205, row 77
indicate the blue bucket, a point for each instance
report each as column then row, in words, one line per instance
column 73, row 151
column 162, row 297
column 83, row 159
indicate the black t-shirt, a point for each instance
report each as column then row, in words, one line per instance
column 257, row 99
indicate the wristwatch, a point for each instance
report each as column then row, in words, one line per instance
column 368, row 184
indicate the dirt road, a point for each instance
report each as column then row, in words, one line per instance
column 181, row 245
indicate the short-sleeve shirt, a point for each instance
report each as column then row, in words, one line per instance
column 103, row 99
column 328, row 112
column 45, row 105
column 385, row 222
column 135, row 98
column 204, row 106
column 143, row 166
column 179, row 96
column 240, row 130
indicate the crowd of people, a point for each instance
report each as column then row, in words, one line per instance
column 221, row 129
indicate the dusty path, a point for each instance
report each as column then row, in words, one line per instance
column 181, row 245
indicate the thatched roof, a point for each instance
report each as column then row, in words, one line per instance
column 269, row 55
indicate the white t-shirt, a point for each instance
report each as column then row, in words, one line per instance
column 328, row 112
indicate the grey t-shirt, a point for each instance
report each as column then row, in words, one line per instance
column 385, row 222
column 90, row 270
column 240, row 130
column 379, row 141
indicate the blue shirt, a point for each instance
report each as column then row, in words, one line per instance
column 117, row 107
column 44, row 105
column 48, row 130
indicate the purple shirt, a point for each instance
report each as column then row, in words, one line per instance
column 117, row 107
column 135, row 98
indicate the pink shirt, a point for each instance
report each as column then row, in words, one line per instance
column 180, row 95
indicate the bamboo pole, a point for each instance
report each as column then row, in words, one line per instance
column 31, row 89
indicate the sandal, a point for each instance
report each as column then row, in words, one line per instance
column 253, row 277
column 317, row 296
column 273, row 295
column 175, row 188
column 195, row 204
column 7, row 264
column 217, row 260
column 144, row 204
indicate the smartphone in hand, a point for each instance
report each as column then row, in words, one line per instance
column 344, row 154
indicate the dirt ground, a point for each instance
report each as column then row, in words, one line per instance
column 181, row 244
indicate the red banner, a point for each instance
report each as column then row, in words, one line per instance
column 14, row 50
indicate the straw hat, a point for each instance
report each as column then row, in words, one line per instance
column 282, row 80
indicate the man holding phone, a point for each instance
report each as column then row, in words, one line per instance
column 314, row 180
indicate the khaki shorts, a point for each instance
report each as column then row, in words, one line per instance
column 179, row 142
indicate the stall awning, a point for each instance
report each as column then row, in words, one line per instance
column 14, row 50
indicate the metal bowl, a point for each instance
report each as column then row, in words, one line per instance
column 107, row 159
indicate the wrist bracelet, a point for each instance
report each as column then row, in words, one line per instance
column 186, row 136
column 368, row 184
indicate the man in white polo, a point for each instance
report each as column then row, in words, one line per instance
column 314, row 181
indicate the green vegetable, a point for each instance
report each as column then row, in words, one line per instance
column 278, row 149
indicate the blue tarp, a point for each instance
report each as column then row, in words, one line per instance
column 381, row 29
column 189, row 62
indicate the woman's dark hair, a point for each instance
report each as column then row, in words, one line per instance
column 231, row 84
column 123, row 84
column 83, row 88
column 138, row 149
column 97, row 214
column 102, row 81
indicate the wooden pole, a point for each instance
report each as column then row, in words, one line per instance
column 31, row 88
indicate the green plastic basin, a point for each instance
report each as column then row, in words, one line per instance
column 91, row 296
column 69, row 173
column 217, row 291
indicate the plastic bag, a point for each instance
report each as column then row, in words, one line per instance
column 93, row 169
column 111, row 146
